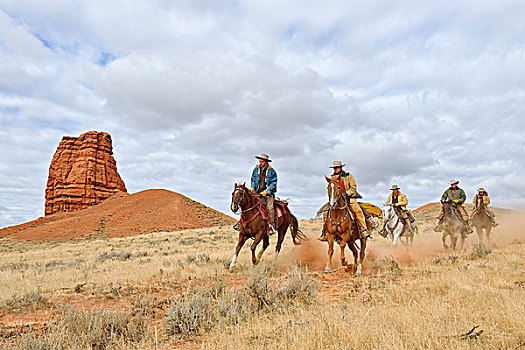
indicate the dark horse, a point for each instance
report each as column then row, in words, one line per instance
column 340, row 225
column 481, row 220
column 453, row 226
column 254, row 225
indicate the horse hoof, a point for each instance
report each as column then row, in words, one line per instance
column 327, row 270
column 357, row 274
column 344, row 263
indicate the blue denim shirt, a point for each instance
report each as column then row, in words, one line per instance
column 271, row 179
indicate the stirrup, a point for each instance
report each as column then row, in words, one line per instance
column 236, row 227
column 271, row 230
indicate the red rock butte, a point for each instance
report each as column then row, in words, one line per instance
column 82, row 173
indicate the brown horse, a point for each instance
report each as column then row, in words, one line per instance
column 481, row 220
column 340, row 225
column 253, row 224
column 453, row 226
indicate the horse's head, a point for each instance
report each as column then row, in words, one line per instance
column 388, row 211
column 447, row 208
column 334, row 191
column 238, row 196
column 480, row 204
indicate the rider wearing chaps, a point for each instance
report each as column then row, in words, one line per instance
column 483, row 197
column 457, row 197
column 264, row 182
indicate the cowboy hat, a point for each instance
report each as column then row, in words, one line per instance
column 395, row 187
column 481, row 189
column 337, row 164
column 264, row 156
column 454, row 182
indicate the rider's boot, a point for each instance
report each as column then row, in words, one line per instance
column 493, row 222
column 439, row 227
column 469, row 229
column 363, row 233
column 323, row 237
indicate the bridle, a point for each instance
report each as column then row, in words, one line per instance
column 334, row 207
column 238, row 203
column 392, row 229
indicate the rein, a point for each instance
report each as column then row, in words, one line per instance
column 344, row 217
column 257, row 213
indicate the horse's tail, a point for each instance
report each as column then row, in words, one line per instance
column 297, row 234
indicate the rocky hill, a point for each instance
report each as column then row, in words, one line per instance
column 118, row 216
column 82, row 173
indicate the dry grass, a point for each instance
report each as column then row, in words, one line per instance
column 420, row 298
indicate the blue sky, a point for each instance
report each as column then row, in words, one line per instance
column 412, row 93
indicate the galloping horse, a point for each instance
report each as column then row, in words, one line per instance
column 339, row 224
column 481, row 220
column 253, row 223
column 452, row 226
column 395, row 226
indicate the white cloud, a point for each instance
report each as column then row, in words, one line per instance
column 414, row 94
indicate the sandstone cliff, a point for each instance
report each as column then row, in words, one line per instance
column 82, row 173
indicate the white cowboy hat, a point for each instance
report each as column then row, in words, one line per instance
column 394, row 187
column 454, row 182
column 337, row 164
column 481, row 189
column 264, row 156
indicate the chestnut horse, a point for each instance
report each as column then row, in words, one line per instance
column 340, row 225
column 254, row 225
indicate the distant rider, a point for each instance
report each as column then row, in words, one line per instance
column 483, row 197
column 264, row 182
column 399, row 201
column 456, row 196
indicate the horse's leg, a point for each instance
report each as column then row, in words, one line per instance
column 281, row 233
column 266, row 243
column 479, row 231
column 258, row 237
column 362, row 251
column 240, row 243
column 330, row 240
column 454, row 239
column 488, row 229
column 342, row 245
column 396, row 235
column 355, row 253
column 444, row 239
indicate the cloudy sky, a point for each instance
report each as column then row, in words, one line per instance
column 413, row 93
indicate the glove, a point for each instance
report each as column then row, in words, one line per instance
column 251, row 190
column 456, row 201
column 263, row 193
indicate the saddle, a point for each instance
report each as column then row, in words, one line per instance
column 280, row 207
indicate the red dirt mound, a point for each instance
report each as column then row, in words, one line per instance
column 118, row 216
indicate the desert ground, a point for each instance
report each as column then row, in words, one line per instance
column 173, row 290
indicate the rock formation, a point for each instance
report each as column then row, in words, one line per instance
column 82, row 173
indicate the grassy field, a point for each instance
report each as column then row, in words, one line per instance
column 172, row 290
